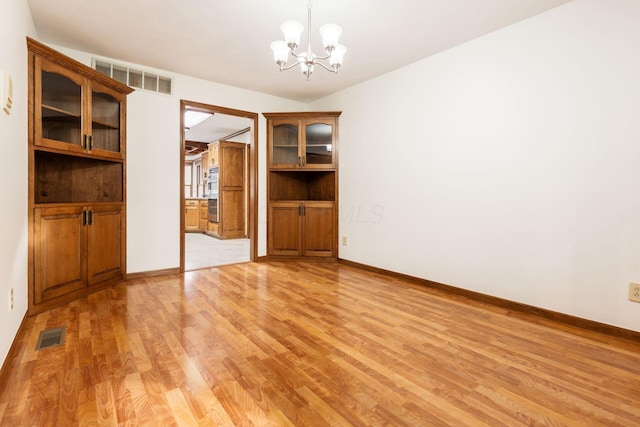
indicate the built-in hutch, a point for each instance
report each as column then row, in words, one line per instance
column 76, row 179
column 302, row 185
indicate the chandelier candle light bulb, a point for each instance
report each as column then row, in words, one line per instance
column 292, row 31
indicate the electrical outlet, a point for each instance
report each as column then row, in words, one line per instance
column 11, row 299
column 634, row 292
column 344, row 240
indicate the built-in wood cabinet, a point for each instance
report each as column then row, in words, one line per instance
column 204, row 214
column 213, row 154
column 204, row 161
column 195, row 215
column 302, row 229
column 77, row 169
column 230, row 158
column 302, row 141
column 302, row 185
column 191, row 215
column 75, row 113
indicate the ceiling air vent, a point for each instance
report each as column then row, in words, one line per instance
column 135, row 78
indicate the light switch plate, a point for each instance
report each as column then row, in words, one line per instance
column 6, row 91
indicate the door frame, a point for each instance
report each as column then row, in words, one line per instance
column 252, row 151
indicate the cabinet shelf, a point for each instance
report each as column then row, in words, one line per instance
column 97, row 124
column 50, row 111
column 302, row 185
column 60, row 178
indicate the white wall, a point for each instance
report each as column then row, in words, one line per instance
column 153, row 161
column 15, row 25
column 507, row 165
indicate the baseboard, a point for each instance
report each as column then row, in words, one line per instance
column 12, row 350
column 153, row 273
column 517, row 307
column 283, row 258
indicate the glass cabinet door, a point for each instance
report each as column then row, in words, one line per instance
column 319, row 144
column 285, row 143
column 61, row 108
column 74, row 114
column 105, row 122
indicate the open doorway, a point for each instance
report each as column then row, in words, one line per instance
column 218, row 208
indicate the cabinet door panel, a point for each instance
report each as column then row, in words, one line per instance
column 59, row 252
column 232, row 165
column 284, row 229
column 191, row 218
column 104, row 240
column 285, row 137
column 319, row 145
column 59, row 112
column 106, row 118
column 319, row 235
column 232, row 213
column 214, row 158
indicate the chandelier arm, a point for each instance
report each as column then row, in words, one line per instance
column 331, row 70
column 289, row 67
column 292, row 52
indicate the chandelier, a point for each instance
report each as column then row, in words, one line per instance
column 308, row 60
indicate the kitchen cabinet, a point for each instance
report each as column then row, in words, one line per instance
column 213, row 154
column 192, row 215
column 204, row 159
column 76, row 190
column 231, row 158
column 302, row 185
column 203, row 210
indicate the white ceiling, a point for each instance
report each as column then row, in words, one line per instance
column 217, row 127
column 227, row 41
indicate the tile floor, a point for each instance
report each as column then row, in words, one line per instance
column 202, row 251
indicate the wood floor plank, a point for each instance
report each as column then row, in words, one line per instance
column 106, row 405
column 180, row 409
column 304, row 344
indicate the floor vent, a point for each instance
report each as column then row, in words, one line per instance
column 51, row 338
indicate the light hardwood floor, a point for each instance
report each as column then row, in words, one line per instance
column 323, row 344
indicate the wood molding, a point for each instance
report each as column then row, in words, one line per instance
column 513, row 306
column 252, row 185
column 12, row 350
column 292, row 258
column 303, row 114
column 76, row 66
column 234, row 134
column 153, row 273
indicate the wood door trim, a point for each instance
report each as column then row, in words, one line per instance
column 252, row 189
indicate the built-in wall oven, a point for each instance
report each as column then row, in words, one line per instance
column 212, row 187
column 212, row 183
